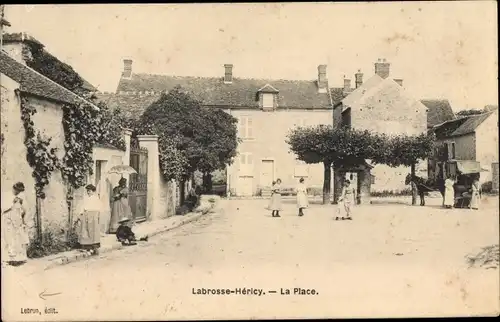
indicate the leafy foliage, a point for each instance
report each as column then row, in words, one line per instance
column 81, row 131
column 48, row 244
column 111, row 124
column 190, row 136
column 40, row 156
column 46, row 64
column 342, row 146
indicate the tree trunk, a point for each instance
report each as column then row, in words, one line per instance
column 326, row 182
column 182, row 190
column 207, row 182
column 338, row 182
column 412, row 169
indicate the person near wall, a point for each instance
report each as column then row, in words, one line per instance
column 14, row 234
column 474, row 201
column 120, row 207
column 302, row 201
column 275, row 202
column 125, row 235
column 89, row 236
column 348, row 199
column 449, row 192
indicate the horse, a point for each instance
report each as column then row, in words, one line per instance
column 423, row 186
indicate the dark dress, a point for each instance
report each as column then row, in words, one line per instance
column 120, row 207
column 125, row 233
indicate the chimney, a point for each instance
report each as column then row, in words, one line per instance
column 228, row 73
column 347, row 84
column 359, row 78
column 127, row 68
column 322, row 80
column 399, row 81
column 382, row 68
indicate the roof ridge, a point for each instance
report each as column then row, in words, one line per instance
column 49, row 80
column 221, row 77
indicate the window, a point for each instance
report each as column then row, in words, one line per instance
column 246, row 158
column 267, row 100
column 246, row 127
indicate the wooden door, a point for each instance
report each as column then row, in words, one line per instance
column 267, row 173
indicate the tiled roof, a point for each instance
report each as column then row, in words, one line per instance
column 471, row 124
column 35, row 83
column 447, row 128
column 212, row 91
column 438, row 111
column 132, row 106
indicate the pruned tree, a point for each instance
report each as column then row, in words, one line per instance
column 351, row 147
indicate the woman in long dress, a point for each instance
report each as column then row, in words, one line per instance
column 275, row 203
column 89, row 235
column 449, row 192
column 14, row 233
column 348, row 197
column 302, row 201
column 120, row 207
column 474, row 201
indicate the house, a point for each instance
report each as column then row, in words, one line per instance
column 47, row 97
column 474, row 138
column 20, row 82
column 382, row 105
column 266, row 110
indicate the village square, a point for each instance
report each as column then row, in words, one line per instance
column 154, row 182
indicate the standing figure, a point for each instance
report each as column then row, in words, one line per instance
column 474, row 201
column 120, row 207
column 302, row 201
column 14, row 233
column 275, row 203
column 449, row 192
column 89, row 235
column 348, row 198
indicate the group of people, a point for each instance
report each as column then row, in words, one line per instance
column 449, row 193
column 417, row 188
column 347, row 199
column 87, row 224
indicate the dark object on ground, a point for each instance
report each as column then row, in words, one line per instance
column 488, row 257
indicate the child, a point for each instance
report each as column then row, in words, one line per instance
column 348, row 197
column 125, row 235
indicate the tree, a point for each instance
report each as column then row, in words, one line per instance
column 219, row 137
column 351, row 147
column 190, row 137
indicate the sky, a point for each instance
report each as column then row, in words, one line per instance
column 440, row 49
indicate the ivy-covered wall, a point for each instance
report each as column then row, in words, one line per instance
column 48, row 121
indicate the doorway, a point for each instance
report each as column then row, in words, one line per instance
column 267, row 173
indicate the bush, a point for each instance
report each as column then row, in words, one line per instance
column 391, row 193
column 52, row 244
column 487, row 187
column 315, row 191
